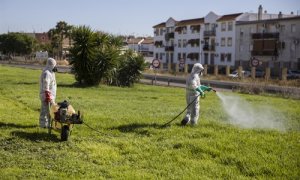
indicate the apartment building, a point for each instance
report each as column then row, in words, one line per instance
column 213, row 39
column 269, row 43
column 177, row 41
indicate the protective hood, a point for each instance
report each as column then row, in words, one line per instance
column 197, row 68
column 51, row 63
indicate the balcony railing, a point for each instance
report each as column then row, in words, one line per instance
column 169, row 48
column 265, row 36
column 169, row 36
column 208, row 48
column 210, row 33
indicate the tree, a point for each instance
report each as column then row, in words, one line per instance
column 61, row 31
column 96, row 57
column 130, row 68
column 17, row 43
column 93, row 55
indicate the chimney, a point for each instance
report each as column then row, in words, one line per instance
column 260, row 10
column 280, row 15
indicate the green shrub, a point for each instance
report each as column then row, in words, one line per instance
column 96, row 56
column 130, row 69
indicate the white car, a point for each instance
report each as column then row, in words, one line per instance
column 235, row 74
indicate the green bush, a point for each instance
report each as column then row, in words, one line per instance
column 130, row 69
column 93, row 55
column 96, row 56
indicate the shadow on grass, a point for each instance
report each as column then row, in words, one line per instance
column 12, row 125
column 74, row 85
column 138, row 128
column 27, row 83
column 36, row 136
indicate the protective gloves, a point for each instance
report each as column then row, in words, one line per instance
column 199, row 89
column 205, row 88
column 47, row 97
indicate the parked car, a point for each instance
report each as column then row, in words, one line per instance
column 293, row 74
column 235, row 74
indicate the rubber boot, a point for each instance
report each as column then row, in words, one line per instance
column 185, row 121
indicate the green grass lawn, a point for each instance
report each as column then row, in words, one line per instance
column 130, row 143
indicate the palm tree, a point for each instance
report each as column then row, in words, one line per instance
column 62, row 30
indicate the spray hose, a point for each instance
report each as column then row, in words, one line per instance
column 164, row 125
column 201, row 88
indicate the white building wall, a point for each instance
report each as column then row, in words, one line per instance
column 225, row 49
column 288, row 54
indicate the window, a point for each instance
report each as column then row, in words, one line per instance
column 223, row 26
column 222, row 41
column 179, row 43
column 184, row 43
column 161, row 31
column 205, row 58
column 156, row 55
column 222, row 57
column 184, row 55
column 171, row 54
column 241, row 32
column 161, row 56
column 229, row 41
column 293, row 28
column 156, row 31
column 167, row 57
column 184, row 30
column 195, row 28
column 179, row 56
column 206, row 27
column 230, row 25
column 229, row 57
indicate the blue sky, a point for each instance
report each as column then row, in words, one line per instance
column 127, row 17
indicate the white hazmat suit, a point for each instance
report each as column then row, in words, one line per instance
column 47, row 91
column 192, row 96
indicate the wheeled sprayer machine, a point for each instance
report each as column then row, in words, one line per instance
column 63, row 118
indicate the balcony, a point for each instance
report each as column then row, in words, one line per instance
column 194, row 42
column 265, row 53
column 193, row 56
column 158, row 44
column 207, row 47
column 265, row 36
column 210, row 33
column 169, row 48
column 169, row 36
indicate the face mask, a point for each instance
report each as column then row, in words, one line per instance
column 54, row 69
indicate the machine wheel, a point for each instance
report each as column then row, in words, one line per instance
column 65, row 133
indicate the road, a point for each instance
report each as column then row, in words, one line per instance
column 180, row 81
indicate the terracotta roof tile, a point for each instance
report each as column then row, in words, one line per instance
column 190, row 22
column 160, row 25
column 229, row 17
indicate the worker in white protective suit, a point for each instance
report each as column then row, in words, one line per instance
column 192, row 95
column 47, row 91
